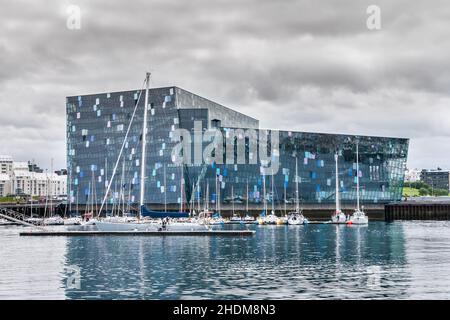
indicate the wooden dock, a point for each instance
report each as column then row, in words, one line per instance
column 139, row 233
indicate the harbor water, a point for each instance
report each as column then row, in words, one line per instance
column 400, row 260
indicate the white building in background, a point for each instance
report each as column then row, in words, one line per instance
column 412, row 175
column 6, row 168
column 22, row 178
column 6, row 164
column 5, row 184
column 20, row 166
column 39, row 184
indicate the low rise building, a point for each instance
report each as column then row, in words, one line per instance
column 412, row 175
column 39, row 184
column 436, row 179
column 26, row 178
column 6, row 164
column 5, row 184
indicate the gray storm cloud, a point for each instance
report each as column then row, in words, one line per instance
column 300, row 65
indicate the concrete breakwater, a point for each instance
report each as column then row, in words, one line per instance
column 418, row 210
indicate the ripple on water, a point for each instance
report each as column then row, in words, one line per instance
column 385, row 260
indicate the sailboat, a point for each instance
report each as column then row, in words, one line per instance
column 32, row 219
column 206, row 212
column 296, row 217
column 338, row 216
column 126, row 217
column 278, row 220
column 263, row 214
column 235, row 218
column 165, row 220
column 77, row 220
column 70, row 220
column 270, row 218
column 216, row 218
column 89, row 218
column 248, row 218
column 358, row 217
column 52, row 220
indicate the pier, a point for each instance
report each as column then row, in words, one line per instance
column 427, row 208
column 420, row 209
column 141, row 233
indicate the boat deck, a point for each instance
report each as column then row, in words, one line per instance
column 141, row 233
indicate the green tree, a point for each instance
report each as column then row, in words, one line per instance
column 440, row 192
column 424, row 191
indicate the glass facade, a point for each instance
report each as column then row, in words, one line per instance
column 97, row 125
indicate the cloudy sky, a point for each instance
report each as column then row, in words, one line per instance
column 304, row 65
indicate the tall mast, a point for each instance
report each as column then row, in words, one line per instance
column 232, row 197
column 246, row 204
column 51, row 191
column 217, row 196
column 89, row 198
column 207, row 196
column 106, row 184
column 122, row 187
column 181, row 190
column 78, row 212
column 165, row 189
column 31, row 209
column 193, row 198
column 218, row 193
column 129, row 197
column 144, row 145
column 357, row 177
column 273, row 194
column 264, row 194
column 337, row 184
column 69, row 193
column 46, row 196
column 296, row 186
column 198, row 192
column 94, row 193
column 114, row 205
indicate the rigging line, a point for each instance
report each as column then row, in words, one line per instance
column 129, row 164
column 121, row 150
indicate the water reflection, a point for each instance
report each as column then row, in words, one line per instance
column 428, row 259
column 279, row 262
column 383, row 260
column 31, row 268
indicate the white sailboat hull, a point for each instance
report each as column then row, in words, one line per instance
column 34, row 220
column 358, row 218
column 216, row 221
column 296, row 219
column 270, row 219
column 72, row 221
column 53, row 221
column 294, row 222
column 339, row 218
column 90, row 222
